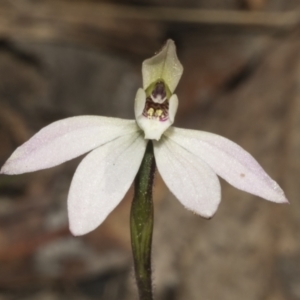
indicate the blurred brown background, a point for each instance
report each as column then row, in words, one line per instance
column 241, row 80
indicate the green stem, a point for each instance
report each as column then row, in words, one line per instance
column 141, row 224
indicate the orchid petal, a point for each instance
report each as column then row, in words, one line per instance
column 190, row 179
column 173, row 106
column 163, row 66
column 229, row 161
column 102, row 180
column 64, row 140
column 139, row 103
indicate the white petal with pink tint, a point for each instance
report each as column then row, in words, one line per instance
column 229, row 161
column 190, row 179
column 101, row 181
column 64, row 140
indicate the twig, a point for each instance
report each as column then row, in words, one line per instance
column 202, row 16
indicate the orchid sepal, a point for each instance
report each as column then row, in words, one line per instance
column 229, row 161
column 64, row 140
column 165, row 66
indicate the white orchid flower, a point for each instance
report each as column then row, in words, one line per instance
column 188, row 160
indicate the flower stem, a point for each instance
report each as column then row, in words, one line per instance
column 141, row 224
